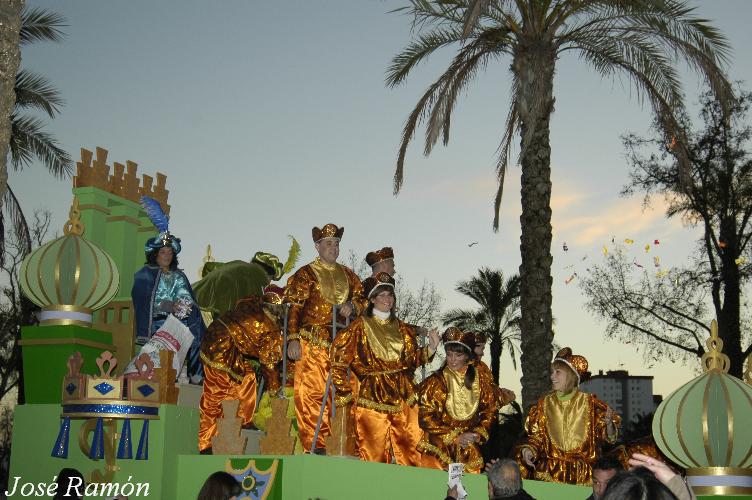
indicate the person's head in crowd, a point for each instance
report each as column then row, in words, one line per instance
column 504, row 479
column 637, row 484
column 604, row 469
column 70, row 484
column 381, row 261
column 480, row 344
column 220, row 486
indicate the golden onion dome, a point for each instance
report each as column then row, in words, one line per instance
column 703, row 426
column 69, row 277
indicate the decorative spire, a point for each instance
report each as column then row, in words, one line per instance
column 714, row 359
column 207, row 258
column 74, row 224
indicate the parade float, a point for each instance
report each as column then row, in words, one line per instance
column 137, row 436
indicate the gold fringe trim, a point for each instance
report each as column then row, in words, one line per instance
column 412, row 399
column 475, row 464
column 293, row 336
column 343, row 400
column 482, row 431
column 425, row 446
column 385, row 372
column 545, row 476
column 372, row 405
column 448, row 438
column 315, row 341
column 220, row 367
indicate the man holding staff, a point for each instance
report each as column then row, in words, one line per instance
column 313, row 292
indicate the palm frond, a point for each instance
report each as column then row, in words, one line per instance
column 475, row 9
column 29, row 141
column 41, row 25
column 11, row 210
column 505, row 148
column 418, row 50
column 36, row 91
column 468, row 61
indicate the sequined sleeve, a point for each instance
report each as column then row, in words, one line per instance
column 297, row 292
column 433, row 395
column 488, row 407
column 357, row 295
column 599, row 412
column 342, row 355
column 535, row 430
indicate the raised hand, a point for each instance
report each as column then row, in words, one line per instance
column 293, row 350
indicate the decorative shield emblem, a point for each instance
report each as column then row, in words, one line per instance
column 257, row 484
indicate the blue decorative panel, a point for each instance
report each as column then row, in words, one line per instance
column 103, row 388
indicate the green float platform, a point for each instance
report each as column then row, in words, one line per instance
column 47, row 349
column 174, row 470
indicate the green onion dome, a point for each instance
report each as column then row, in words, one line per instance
column 704, row 427
column 69, row 277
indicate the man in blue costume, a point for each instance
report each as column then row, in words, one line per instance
column 161, row 289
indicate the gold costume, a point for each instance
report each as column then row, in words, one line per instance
column 246, row 332
column 311, row 293
column 383, row 354
column 502, row 399
column 565, row 436
column 448, row 409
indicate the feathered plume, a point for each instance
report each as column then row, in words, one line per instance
column 292, row 256
column 157, row 216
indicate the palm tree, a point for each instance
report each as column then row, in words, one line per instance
column 10, row 59
column 28, row 140
column 639, row 39
column 497, row 316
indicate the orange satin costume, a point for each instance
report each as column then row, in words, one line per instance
column 565, row 437
column 448, row 409
column 383, row 354
column 501, row 398
column 311, row 293
column 246, row 332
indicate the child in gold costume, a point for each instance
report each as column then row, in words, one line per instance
column 458, row 404
column 383, row 353
column 566, row 428
column 250, row 330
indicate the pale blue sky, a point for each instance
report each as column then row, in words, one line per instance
column 270, row 118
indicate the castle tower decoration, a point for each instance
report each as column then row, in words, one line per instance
column 109, row 203
column 703, row 427
column 69, row 277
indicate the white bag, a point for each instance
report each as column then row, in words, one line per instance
column 173, row 336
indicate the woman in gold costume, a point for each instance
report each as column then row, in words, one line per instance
column 566, row 428
column 458, row 404
column 383, row 353
column 250, row 330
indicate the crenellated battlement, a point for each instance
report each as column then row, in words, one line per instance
column 123, row 182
